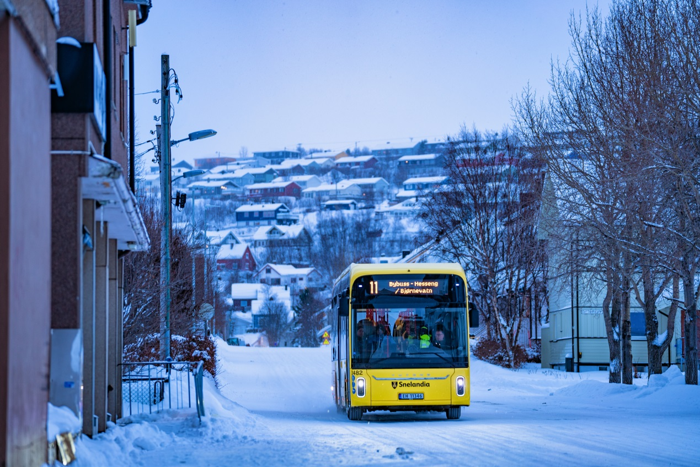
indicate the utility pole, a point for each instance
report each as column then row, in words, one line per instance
column 165, row 195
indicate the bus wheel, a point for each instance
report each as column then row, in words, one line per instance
column 453, row 413
column 355, row 413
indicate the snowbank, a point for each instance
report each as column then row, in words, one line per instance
column 61, row 420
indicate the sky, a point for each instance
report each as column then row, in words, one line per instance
column 269, row 75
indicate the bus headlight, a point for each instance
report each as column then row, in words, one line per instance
column 460, row 385
column 360, row 387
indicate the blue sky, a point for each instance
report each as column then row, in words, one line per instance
column 270, row 74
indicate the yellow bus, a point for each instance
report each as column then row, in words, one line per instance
column 400, row 339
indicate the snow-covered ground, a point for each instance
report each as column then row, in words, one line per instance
column 273, row 407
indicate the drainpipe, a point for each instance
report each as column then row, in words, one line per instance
column 107, row 56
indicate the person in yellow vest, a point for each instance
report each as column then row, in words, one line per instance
column 424, row 337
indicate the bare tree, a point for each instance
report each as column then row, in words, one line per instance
column 615, row 107
column 487, row 222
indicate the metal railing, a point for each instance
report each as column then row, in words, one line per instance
column 149, row 387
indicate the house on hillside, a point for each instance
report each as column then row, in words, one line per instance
column 373, row 188
column 275, row 157
column 251, row 298
column 252, row 215
column 340, row 205
column 261, row 174
column 338, row 190
column 407, row 208
column 396, row 149
column 214, row 189
column 240, row 177
column 206, row 163
column 421, row 164
column 221, row 238
column 286, row 275
column 237, row 257
column 333, row 155
column 420, row 186
column 304, row 181
column 272, row 191
column 281, row 236
column 356, row 162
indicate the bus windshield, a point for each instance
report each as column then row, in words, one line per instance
column 409, row 337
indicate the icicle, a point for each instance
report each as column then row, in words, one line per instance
column 102, row 222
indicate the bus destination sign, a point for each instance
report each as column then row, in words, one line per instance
column 407, row 287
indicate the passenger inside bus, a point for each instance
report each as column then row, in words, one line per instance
column 441, row 340
column 365, row 340
column 385, row 342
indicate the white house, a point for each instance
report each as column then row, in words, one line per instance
column 338, row 190
column 304, row 181
column 282, row 235
column 289, row 276
column 420, row 186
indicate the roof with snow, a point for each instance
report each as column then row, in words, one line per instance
column 288, row 231
column 354, row 159
column 261, row 207
column 288, row 270
column 282, row 184
column 422, row 157
column 363, row 181
column 439, row 179
column 212, row 184
column 232, row 251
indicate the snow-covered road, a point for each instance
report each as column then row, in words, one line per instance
column 275, row 408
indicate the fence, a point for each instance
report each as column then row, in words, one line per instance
column 149, row 387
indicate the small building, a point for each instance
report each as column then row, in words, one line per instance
column 214, row 189
column 180, row 168
column 370, row 188
column 340, row 205
column 304, row 181
column 206, row 163
column 235, row 258
column 296, row 279
column 260, row 174
column 276, row 157
column 407, row 208
column 420, row 186
column 281, row 235
column 356, row 162
column 240, row 177
column 273, row 190
column 423, row 163
column 262, row 214
column 338, row 190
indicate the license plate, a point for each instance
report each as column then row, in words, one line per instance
column 411, row 396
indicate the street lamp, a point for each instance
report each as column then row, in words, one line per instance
column 190, row 173
column 166, row 203
column 201, row 134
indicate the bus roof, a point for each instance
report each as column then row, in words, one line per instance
column 355, row 270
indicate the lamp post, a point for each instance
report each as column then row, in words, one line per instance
column 166, row 198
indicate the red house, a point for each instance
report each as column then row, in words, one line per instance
column 235, row 257
column 273, row 190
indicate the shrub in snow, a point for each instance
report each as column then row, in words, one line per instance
column 191, row 348
column 491, row 350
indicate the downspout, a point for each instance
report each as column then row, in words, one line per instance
column 107, row 52
column 144, row 10
column 578, row 334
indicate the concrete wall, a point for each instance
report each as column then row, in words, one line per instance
column 25, row 233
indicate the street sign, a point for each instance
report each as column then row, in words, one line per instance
column 206, row 311
column 326, row 338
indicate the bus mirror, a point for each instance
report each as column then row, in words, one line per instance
column 473, row 316
column 343, row 307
